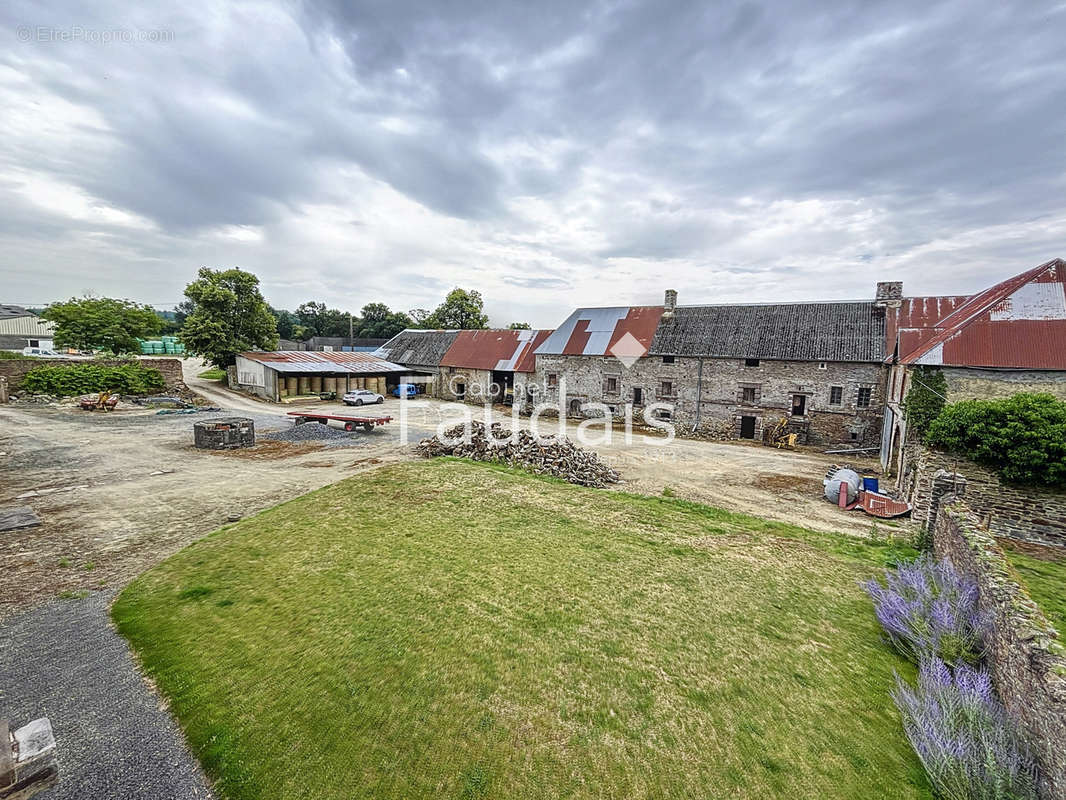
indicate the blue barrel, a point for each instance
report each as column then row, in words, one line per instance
column 869, row 484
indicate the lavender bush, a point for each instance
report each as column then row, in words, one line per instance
column 928, row 609
column 962, row 735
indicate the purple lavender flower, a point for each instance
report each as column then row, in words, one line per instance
column 962, row 735
column 927, row 608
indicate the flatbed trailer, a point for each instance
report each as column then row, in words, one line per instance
column 341, row 421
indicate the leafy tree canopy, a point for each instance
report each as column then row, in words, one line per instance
column 229, row 315
column 1022, row 437
column 461, row 309
column 102, row 323
column 378, row 322
column 519, row 326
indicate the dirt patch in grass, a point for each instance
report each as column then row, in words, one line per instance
column 445, row 629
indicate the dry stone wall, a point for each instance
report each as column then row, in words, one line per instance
column 1029, row 513
column 1027, row 660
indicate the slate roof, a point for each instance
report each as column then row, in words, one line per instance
column 9, row 311
column 835, row 331
column 417, row 348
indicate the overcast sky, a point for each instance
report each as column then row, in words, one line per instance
column 550, row 154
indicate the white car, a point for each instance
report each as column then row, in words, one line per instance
column 362, row 397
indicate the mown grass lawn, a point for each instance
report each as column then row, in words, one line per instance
column 447, row 629
column 1046, row 584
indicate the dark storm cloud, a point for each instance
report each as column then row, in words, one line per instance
column 715, row 134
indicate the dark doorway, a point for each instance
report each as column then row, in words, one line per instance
column 799, row 405
column 460, row 391
column 747, row 427
column 638, row 396
column 575, row 408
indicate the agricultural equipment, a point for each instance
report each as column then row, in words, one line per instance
column 343, row 422
column 105, row 401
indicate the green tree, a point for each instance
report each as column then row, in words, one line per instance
column 229, row 316
column 460, row 310
column 323, row 321
column 925, row 398
column 102, row 323
column 286, row 320
column 519, row 326
column 378, row 322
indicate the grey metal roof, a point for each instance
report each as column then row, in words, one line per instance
column 422, row 348
column 843, row 331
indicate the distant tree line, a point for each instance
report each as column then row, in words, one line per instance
column 225, row 313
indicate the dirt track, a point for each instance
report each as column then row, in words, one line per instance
column 127, row 489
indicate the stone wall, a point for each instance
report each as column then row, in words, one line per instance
column 705, row 393
column 14, row 369
column 1028, row 513
column 987, row 384
column 1026, row 658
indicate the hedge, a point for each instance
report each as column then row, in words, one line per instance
column 74, row 379
column 1022, row 437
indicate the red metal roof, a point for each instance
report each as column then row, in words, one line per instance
column 1019, row 323
column 505, row 350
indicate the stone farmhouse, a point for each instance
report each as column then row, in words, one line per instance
column 834, row 373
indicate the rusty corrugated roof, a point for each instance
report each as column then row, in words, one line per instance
column 1019, row 323
column 495, row 349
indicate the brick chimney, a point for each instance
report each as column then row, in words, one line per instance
column 669, row 303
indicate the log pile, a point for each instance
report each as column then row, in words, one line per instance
column 547, row 455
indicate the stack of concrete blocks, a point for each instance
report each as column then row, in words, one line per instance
column 27, row 760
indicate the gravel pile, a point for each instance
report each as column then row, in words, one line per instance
column 549, row 455
column 317, row 432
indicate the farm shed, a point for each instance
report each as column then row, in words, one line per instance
column 289, row 373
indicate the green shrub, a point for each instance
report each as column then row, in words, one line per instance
column 925, row 398
column 10, row 355
column 1022, row 437
column 75, row 379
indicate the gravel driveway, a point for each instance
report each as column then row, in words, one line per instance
column 114, row 741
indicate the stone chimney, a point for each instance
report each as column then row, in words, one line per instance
column 888, row 291
column 669, row 303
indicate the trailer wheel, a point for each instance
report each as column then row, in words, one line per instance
column 368, row 426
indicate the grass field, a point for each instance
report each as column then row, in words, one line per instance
column 1046, row 583
column 213, row 374
column 448, row 629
